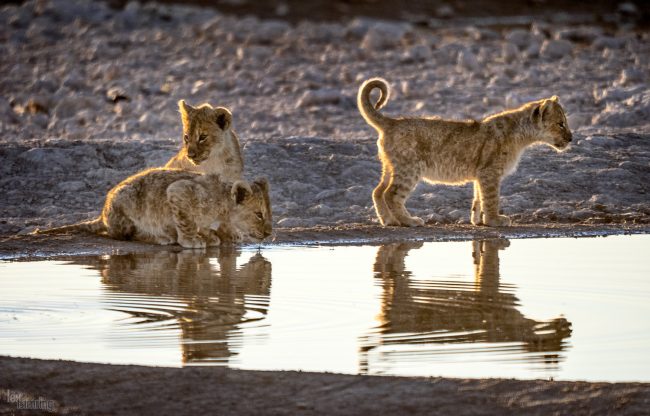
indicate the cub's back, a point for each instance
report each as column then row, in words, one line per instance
column 146, row 190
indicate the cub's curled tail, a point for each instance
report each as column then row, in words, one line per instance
column 369, row 112
column 95, row 226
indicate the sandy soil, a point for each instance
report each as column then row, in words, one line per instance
column 88, row 97
column 76, row 388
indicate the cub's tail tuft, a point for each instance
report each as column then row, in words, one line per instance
column 369, row 112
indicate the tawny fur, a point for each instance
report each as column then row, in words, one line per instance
column 167, row 206
column 210, row 145
column 455, row 152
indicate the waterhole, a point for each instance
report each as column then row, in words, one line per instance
column 573, row 309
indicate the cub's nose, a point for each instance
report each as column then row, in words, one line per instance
column 267, row 231
column 191, row 154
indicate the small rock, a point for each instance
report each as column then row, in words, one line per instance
column 321, row 210
column 384, row 35
column 580, row 34
column 509, row 52
column 325, row 96
column 518, row 37
column 608, row 42
column 467, row 60
column 359, row 26
column 290, row 222
column 116, row 94
column 630, row 76
column 72, row 186
column 533, row 49
column 417, row 53
column 36, row 105
column 328, row 193
column 556, row 49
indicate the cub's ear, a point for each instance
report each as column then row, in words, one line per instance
column 223, row 118
column 240, row 191
column 185, row 110
column 184, row 107
column 536, row 114
column 263, row 183
column 555, row 98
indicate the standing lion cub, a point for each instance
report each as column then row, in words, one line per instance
column 167, row 206
column 455, row 152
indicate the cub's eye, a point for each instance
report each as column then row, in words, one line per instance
column 185, row 138
column 561, row 124
column 202, row 138
column 259, row 216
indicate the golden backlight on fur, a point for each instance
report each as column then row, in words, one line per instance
column 455, row 152
column 209, row 143
column 167, row 206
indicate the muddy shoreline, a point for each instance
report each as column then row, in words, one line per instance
column 34, row 247
column 78, row 388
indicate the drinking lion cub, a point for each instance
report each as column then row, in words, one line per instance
column 167, row 206
column 455, row 152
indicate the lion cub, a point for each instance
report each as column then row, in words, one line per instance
column 167, row 206
column 455, row 152
column 209, row 143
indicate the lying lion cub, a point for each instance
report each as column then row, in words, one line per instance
column 167, row 206
column 455, row 152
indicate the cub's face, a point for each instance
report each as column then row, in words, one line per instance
column 204, row 129
column 252, row 214
column 553, row 123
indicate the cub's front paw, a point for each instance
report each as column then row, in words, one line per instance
column 499, row 221
column 476, row 220
column 213, row 240
column 191, row 242
column 413, row 222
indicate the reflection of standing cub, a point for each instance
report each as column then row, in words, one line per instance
column 455, row 152
column 167, row 206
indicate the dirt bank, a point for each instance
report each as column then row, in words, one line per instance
column 31, row 247
column 79, row 389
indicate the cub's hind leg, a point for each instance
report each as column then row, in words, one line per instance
column 477, row 217
column 489, row 184
column 182, row 198
column 382, row 210
column 400, row 187
column 118, row 225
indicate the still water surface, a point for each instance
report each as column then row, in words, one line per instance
column 575, row 309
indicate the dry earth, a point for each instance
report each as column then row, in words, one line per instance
column 90, row 389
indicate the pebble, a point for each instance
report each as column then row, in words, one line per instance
column 72, row 186
column 384, row 35
column 556, row 49
column 518, row 37
column 467, row 60
column 290, row 222
column 325, row 96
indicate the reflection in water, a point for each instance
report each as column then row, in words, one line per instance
column 208, row 300
column 425, row 312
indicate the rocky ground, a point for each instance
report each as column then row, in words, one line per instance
column 89, row 96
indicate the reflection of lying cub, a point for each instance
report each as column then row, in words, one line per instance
column 167, row 206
